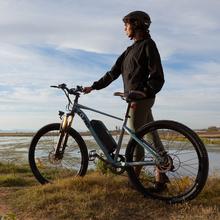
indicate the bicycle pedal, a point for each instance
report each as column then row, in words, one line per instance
column 92, row 155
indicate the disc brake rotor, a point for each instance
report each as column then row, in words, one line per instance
column 166, row 165
column 54, row 159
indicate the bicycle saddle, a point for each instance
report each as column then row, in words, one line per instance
column 132, row 95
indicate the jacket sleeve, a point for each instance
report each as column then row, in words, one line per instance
column 110, row 76
column 155, row 79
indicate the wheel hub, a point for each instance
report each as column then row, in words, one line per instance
column 166, row 165
column 54, row 159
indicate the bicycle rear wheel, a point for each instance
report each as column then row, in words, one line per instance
column 188, row 168
column 45, row 167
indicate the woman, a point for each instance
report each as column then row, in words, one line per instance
column 141, row 69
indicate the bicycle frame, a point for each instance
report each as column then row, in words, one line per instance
column 175, row 167
column 77, row 108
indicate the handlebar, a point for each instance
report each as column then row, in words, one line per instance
column 72, row 91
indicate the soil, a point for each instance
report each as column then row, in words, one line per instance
column 4, row 209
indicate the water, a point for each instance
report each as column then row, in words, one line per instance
column 15, row 150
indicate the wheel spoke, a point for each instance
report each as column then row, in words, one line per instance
column 47, row 166
column 182, row 147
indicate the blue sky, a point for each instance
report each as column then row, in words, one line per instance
column 76, row 42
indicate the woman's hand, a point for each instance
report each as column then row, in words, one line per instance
column 87, row 90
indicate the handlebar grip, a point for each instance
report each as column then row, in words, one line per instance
column 62, row 86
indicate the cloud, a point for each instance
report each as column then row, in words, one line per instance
column 50, row 42
column 97, row 25
column 27, row 72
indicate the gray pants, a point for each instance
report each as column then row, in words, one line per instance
column 140, row 114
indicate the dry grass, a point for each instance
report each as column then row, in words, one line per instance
column 12, row 175
column 104, row 197
column 108, row 197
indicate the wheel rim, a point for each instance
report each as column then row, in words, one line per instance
column 186, row 159
column 51, row 168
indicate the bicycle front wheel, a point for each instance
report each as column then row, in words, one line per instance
column 187, row 166
column 45, row 166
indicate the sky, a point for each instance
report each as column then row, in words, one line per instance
column 45, row 43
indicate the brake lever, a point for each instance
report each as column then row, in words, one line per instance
column 79, row 88
column 72, row 91
column 62, row 86
column 76, row 90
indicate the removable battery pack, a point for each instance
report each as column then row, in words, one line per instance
column 104, row 135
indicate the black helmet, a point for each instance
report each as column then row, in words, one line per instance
column 139, row 19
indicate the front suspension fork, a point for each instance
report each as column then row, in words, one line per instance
column 65, row 125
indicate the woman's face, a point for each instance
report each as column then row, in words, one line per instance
column 129, row 31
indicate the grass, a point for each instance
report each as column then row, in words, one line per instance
column 12, row 175
column 210, row 141
column 95, row 196
column 12, row 180
column 12, row 168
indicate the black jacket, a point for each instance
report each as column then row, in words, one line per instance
column 141, row 69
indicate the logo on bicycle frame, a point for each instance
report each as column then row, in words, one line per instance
column 83, row 117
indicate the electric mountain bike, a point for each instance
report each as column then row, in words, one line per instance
column 58, row 151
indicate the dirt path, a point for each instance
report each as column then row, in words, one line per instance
column 4, row 209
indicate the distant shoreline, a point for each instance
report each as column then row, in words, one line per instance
column 204, row 134
column 29, row 134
